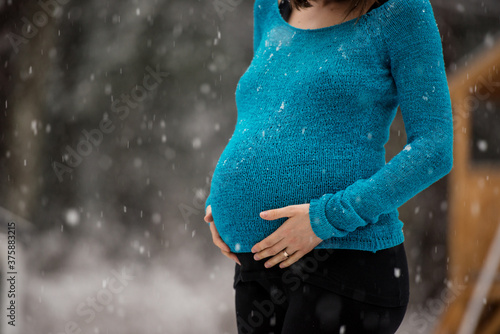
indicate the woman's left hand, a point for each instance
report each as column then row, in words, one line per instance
column 295, row 235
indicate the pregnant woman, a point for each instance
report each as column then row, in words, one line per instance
column 302, row 198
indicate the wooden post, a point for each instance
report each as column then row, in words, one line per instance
column 482, row 288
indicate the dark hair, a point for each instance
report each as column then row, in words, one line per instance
column 354, row 4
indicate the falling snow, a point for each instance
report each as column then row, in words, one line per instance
column 136, row 197
column 72, row 217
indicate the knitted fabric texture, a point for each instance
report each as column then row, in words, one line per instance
column 314, row 109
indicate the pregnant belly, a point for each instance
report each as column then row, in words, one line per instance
column 248, row 180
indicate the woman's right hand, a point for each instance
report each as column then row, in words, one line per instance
column 216, row 237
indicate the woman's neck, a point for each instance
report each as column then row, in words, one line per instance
column 321, row 15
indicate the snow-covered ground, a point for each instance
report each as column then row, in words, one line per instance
column 172, row 294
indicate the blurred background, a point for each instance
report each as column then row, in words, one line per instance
column 113, row 115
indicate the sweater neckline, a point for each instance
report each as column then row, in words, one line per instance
column 276, row 12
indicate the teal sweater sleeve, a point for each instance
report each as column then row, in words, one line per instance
column 413, row 46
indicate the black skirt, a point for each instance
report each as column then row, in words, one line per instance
column 379, row 278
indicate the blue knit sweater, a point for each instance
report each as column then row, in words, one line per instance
column 314, row 109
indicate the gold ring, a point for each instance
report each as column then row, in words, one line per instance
column 286, row 254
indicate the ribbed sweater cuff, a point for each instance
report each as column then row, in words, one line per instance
column 330, row 217
column 319, row 223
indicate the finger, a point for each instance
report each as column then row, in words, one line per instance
column 217, row 240
column 271, row 251
column 279, row 257
column 272, row 239
column 220, row 243
column 292, row 259
column 268, row 242
column 232, row 256
column 214, row 231
column 208, row 214
column 272, row 214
